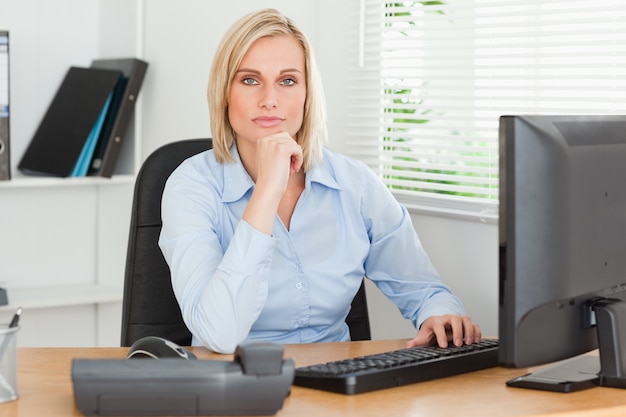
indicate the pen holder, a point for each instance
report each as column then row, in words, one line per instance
column 8, row 363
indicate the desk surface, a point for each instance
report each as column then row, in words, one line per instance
column 45, row 389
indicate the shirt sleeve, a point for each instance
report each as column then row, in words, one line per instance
column 397, row 263
column 221, row 290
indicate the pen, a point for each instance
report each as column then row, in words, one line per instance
column 16, row 317
column 3, row 348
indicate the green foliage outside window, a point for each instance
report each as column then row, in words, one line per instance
column 407, row 110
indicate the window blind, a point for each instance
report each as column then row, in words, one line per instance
column 429, row 80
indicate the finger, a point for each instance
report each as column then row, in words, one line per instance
column 416, row 341
column 424, row 338
column 285, row 144
column 468, row 330
column 426, row 334
column 456, row 323
column 278, row 152
column 297, row 160
column 439, row 329
column 478, row 334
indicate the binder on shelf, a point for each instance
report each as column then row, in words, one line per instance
column 116, row 125
column 5, row 162
column 65, row 128
column 82, row 164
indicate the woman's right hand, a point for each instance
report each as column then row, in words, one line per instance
column 278, row 156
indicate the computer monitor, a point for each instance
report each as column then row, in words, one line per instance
column 562, row 231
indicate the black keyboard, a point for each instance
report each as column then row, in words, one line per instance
column 398, row 367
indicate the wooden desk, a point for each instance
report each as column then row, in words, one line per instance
column 45, row 389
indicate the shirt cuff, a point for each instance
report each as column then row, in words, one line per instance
column 249, row 250
column 439, row 305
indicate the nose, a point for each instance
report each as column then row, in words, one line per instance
column 268, row 98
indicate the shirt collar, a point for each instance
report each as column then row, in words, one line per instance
column 237, row 182
column 323, row 174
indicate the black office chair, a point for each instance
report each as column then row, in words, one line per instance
column 149, row 306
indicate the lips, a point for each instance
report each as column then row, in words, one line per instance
column 267, row 121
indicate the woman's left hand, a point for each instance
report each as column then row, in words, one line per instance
column 441, row 330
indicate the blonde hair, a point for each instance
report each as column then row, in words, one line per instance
column 234, row 45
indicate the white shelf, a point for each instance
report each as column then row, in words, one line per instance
column 61, row 296
column 35, row 182
column 73, row 229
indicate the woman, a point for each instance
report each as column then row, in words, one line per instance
column 269, row 235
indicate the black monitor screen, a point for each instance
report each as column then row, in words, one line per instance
column 562, row 230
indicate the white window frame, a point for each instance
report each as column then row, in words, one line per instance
column 485, row 58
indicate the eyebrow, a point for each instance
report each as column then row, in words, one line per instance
column 253, row 71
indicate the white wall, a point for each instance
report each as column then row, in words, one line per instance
column 180, row 40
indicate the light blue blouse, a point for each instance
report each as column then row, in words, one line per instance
column 234, row 283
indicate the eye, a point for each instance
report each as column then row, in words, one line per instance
column 288, row 81
column 249, row 81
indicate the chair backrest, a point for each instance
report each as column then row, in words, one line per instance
column 149, row 307
column 358, row 318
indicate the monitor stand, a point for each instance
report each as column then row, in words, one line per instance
column 587, row 371
column 611, row 325
column 570, row 375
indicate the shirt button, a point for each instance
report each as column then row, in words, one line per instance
column 299, row 285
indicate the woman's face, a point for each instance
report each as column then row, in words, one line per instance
column 268, row 91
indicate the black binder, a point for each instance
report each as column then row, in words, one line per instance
column 70, row 119
column 5, row 162
column 122, row 107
